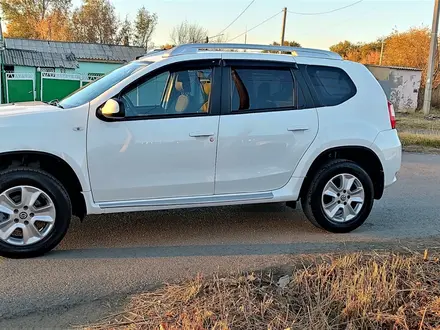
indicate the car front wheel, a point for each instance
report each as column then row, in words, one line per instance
column 340, row 197
column 35, row 212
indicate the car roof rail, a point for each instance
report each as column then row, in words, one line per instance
column 295, row 51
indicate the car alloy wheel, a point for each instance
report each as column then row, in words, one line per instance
column 343, row 197
column 27, row 215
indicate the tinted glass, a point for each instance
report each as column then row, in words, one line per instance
column 332, row 85
column 93, row 90
column 170, row 93
column 258, row 89
column 149, row 93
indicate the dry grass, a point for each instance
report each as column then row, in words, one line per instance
column 417, row 121
column 355, row 291
column 424, row 140
column 420, row 133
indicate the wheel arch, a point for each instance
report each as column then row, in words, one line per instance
column 363, row 156
column 54, row 165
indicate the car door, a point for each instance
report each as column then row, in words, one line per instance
column 165, row 146
column 268, row 121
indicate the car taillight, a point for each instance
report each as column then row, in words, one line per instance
column 392, row 115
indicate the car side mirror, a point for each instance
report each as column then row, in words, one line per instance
column 113, row 108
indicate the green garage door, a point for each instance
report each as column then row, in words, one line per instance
column 56, row 86
column 19, row 87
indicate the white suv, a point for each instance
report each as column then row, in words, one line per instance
column 199, row 125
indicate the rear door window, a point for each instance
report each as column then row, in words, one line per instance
column 333, row 85
column 264, row 89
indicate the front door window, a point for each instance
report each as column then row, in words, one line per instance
column 170, row 94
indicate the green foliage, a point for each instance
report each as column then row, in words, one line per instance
column 95, row 21
column 144, row 26
column 124, row 36
column 343, row 48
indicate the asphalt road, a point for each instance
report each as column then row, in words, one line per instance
column 107, row 257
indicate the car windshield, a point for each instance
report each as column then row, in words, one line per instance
column 93, row 90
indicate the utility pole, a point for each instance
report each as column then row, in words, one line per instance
column 431, row 61
column 245, row 36
column 283, row 31
column 381, row 52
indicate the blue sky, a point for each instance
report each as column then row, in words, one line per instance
column 363, row 22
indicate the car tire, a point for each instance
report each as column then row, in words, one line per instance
column 49, row 211
column 326, row 195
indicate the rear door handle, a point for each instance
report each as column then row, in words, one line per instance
column 298, row 129
column 200, row 134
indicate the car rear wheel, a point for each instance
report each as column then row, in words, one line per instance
column 35, row 212
column 340, row 197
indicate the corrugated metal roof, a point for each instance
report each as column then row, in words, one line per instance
column 82, row 51
column 39, row 59
column 394, row 67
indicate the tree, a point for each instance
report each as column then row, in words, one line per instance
column 406, row 49
column 124, row 36
column 95, row 21
column 188, row 33
column 410, row 48
column 144, row 26
column 366, row 53
column 287, row 43
column 343, row 48
column 37, row 19
column 219, row 39
column 56, row 26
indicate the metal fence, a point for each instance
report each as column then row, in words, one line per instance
column 42, row 86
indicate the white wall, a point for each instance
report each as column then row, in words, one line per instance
column 96, row 67
column 400, row 85
column 406, row 89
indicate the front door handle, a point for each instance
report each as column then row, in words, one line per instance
column 298, row 129
column 200, row 134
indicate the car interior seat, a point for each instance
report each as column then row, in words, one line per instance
column 182, row 86
column 207, row 91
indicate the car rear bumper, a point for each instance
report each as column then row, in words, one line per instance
column 389, row 150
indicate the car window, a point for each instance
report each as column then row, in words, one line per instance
column 260, row 89
column 170, row 93
column 99, row 86
column 333, row 85
column 149, row 93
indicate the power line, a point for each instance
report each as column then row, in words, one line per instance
column 327, row 12
column 236, row 19
column 255, row 26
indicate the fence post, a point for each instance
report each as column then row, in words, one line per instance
column 3, row 85
column 38, row 85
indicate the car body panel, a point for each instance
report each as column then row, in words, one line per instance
column 144, row 159
column 89, row 144
column 38, row 127
column 259, row 151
